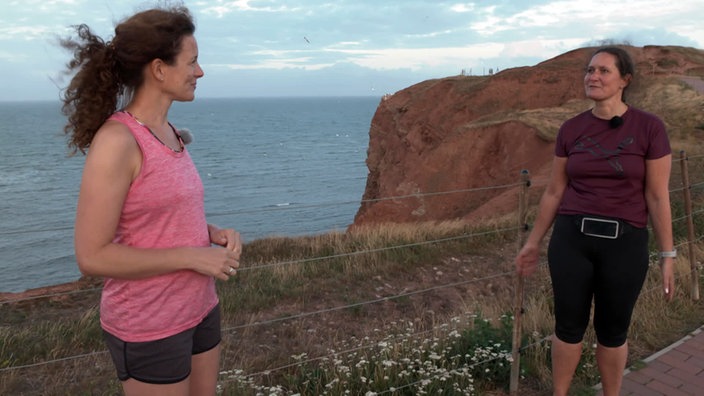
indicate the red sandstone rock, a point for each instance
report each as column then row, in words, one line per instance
column 468, row 134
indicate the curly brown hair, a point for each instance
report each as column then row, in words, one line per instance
column 108, row 73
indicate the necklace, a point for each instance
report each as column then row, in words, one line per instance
column 178, row 137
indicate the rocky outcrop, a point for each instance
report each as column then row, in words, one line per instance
column 453, row 148
column 65, row 292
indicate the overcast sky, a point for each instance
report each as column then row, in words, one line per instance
column 344, row 47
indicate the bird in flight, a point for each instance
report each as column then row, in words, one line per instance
column 306, row 39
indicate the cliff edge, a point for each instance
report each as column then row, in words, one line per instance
column 453, row 148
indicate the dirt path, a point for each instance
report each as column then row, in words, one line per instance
column 695, row 82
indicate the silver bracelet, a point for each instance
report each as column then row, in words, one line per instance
column 671, row 253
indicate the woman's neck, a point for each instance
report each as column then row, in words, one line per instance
column 150, row 104
column 608, row 110
column 149, row 112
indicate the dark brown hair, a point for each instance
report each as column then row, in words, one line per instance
column 107, row 73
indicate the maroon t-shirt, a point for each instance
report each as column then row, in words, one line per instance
column 606, row 164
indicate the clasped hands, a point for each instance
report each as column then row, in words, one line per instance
column 231, row 241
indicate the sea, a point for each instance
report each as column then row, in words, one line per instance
column 270, row 167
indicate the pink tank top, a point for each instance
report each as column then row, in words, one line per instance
column 163, row 209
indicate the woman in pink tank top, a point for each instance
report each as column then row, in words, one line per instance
column 140, row 221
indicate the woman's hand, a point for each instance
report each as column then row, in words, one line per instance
column 232, row 242
column 214, row 261
column 527, row 260
column 668, row 277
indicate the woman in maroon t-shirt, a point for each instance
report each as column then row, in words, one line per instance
column 610, row 173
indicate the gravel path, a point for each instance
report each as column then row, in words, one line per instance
column 695, row 82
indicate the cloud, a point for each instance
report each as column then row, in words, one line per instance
column 454, row 58
column 223, row 8
column 339, row 80
column 654, row 36
column 24, row 33
column 591, row 18
column 411, row 38
column 463, row 8
column 7, row 56
column 422, row 58
column 537, row 48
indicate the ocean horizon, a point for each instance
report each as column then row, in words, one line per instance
column 270, row 167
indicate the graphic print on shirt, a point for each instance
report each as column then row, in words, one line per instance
column 612, row 156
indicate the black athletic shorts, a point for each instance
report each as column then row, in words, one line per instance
column 168, row 360
column 608, row 272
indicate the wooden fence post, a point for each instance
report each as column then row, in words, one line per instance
column 687, row 192
column 518, row 298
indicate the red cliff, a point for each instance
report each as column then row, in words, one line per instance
column 453, row 148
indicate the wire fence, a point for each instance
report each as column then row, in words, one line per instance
column 229, row 375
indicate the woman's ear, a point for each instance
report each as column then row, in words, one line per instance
column 156, row 67
column 627, row 79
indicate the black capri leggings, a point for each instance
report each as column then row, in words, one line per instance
column 611, row 271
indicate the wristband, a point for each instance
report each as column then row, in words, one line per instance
column 671, row 253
